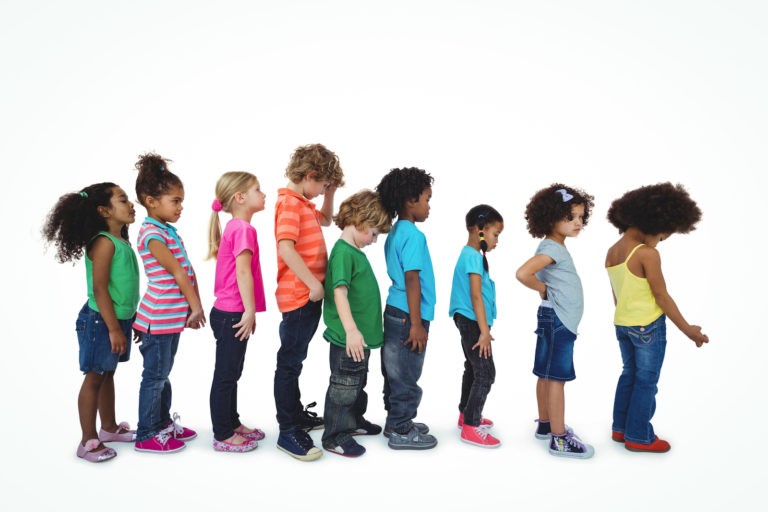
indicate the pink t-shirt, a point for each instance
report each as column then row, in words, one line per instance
column 238, row 236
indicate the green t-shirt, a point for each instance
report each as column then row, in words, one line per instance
column 123, row 283
column 348, row 266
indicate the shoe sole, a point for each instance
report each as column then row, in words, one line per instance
column 411, row 446
column 316, row 427
column 304, row 458
column 642, row 450
column 160, row 452
column 480, row 444
column 185, row 439
column 572, row 455
column 348, row 455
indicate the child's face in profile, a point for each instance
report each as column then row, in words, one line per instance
column 365, row 236
column 491, row 234
column 420, row 208
column 313, row 187
column 572, row 227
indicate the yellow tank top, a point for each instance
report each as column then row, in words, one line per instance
column 635, row 304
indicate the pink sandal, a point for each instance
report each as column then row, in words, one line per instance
column 86, row 452
column 228, row 446
column 124, row 434
column 255, row 434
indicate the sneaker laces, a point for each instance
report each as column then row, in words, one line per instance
column 177, row 429
column 573, row 443
column 482, row 431
column 164, row 435
column 307, row 412
column 303, row 440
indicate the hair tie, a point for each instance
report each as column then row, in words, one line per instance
column 481, row 235
column 566, row 196
column 83, row 194
column 216, row 205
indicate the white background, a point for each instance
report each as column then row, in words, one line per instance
column 496, row 100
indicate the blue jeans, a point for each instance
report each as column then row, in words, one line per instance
column 155, row 394
column 479, row 373
column 401, row 368
column 554, row 348
column 296, row 331
column 230, row 357
column 642, row 353
column 95, row 346
column 346, row 400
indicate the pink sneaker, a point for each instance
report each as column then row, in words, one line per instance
column 124, row 434
column 484, row 422
column 180, row 433
column 255, row 434
column 86, row 451
column 228, row 445
column 161, row 443
column 479, row 436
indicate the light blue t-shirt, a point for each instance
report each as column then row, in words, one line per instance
column 405, row 250
column 564, row 290
column 471, row 262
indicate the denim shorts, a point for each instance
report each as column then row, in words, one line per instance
column 95, row 348
column 554, row 347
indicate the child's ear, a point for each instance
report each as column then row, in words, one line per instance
column 103, row 211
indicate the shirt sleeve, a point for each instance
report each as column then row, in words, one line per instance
column 288, row 220
column 340, row 267
column 244, row 239
column 473, row 263
column 414, row 251
column 151, row 234
column 551, row 249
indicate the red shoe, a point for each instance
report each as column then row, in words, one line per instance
column 617, row 436
column 180, row 433
column 479, row 436
column 657, row 446
column 484, row 422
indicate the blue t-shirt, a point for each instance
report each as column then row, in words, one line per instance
column 563, row 284
column 405, row 250
column 471, row 262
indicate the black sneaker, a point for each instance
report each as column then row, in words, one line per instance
column 366, row 428
column 348, row 448
column 309, row 420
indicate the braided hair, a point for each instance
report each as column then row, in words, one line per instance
column 481, row 216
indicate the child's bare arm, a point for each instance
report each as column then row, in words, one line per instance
column 165, row 257
column 327, row 209
column 355, row 342
column 478, row 306
column 287, row 251
column 247, row 324
column 417, row 337
column 526, row 274
column 651, row 262
column 101, row 254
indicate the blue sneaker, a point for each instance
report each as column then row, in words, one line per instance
column 568, row 445
column 298, row 445
column 421, row 427
column 348, row 448
column 413, row 440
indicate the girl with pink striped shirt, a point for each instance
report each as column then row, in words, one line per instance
column 171, row 303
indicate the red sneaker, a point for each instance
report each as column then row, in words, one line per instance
column 178, row 432
column 161, row 443
column 657, row 446
column 484, row 422
column 617, row 436
column 479, row 436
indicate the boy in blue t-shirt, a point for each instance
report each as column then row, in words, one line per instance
column 410, row 307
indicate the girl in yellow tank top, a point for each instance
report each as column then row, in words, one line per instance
column 645, row 217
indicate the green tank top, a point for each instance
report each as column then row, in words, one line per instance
column 123, row 283
column 635, row 304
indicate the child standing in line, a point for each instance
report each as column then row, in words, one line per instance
column 405, row 193
column 239, row 291
column 645, row 217
column 301, row 263
column 171, row 303
column 555, row 213
column 95, row 222
column 352, row 314
column 473, row 309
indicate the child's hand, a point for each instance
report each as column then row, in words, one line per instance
column 136, row 336
column 355, row 346
column 316, row 292
column 417, row 338
column 484, row 345
column 196, row 319
column 246, row 325
column 118, row 341
column 695, row 334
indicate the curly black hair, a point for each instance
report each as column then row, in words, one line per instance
column 552, row 204
column 400, row 185
column 75, row 219
column 655, row 209
column 154, row 178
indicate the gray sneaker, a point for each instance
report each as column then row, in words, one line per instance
column 421, row 427
column 413, row 440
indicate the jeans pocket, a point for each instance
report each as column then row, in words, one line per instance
column 642, row 334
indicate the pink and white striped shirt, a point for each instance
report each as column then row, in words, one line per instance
column 163, row 308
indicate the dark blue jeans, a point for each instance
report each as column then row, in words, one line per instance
column 401, row 368
column 159, row 351
column 296, row 331
column 642, row 354
column 230, row 357
column 346, row 400
column 479, row 373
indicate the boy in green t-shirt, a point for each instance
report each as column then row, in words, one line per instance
column 353, row 317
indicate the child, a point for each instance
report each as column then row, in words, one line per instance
column 239, row 292
column 352, row 315
column 171, row 303
column 473, row 308
column 405, row 193
column 301, row 262
column 645, row 217
column 95, row 221
column 555, row 213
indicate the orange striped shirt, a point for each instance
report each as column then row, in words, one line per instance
column 297, row 219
